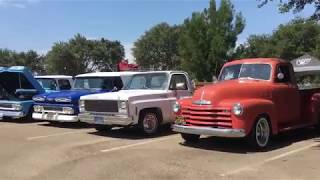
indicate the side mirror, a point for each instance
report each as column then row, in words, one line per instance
column 181, row 86
column 280, row 76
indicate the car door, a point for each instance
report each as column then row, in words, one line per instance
column 287, row 97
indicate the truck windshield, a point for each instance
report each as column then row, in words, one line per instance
column 246, row 71
column 98, row 83
column 154, row 81
column 48, row 84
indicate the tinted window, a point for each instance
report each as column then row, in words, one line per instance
column 177, row 79
column 284, row 69
column 105, row 83
column 64, row 84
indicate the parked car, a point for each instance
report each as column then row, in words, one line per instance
column 53, row 83
column 63, row 106
column 17, row 87
column 254, row 99
column 145, row 101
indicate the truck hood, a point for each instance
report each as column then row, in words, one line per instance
column 74, row 95
column 234, row 90
column 18, row 77
column 124, row 95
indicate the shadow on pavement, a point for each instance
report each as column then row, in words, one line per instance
column 132, row 133
column 240, row 145
column 67, row 125
column 19, row 121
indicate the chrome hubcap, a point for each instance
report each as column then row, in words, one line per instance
column 150, row 123
column 262, row 132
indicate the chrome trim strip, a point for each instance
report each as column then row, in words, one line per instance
column 236, row 133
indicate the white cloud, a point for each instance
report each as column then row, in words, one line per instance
column 16, row 3
column 128, row 51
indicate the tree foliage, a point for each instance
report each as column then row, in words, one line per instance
column 288, row 41
column 158, row 47
column 296, row 6
column 31, row 59
column 207, row 39
column 81, row 55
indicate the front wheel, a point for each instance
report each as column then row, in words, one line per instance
column 260, row 134
column 149, row 123
column 190, row 137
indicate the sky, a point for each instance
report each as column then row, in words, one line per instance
column 38, row 24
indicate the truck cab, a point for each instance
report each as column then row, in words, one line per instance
column 253, row 99
column 53, row 83
column 17, row 87
column 63, row 106
column 145, row 102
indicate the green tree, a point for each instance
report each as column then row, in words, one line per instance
column 208, row 38
column 288, row 41
column 158, row 47
column 30, row 59
column 296, row 6
column 80, row 55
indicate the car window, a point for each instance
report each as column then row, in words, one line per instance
column 64, row 84
column 178, row 79
column 153, row 81
column 284, row 69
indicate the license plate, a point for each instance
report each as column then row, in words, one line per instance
column 98, row 120
column 50, row 116
column 180, row 120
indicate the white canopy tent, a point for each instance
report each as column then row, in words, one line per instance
column 306, row 64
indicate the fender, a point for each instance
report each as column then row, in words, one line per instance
column 165, row 104
column 252, row 108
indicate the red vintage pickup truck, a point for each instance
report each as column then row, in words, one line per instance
column 253, row 99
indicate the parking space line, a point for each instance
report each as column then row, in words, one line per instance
column 57, row 134
column 246, row 168
column 137, row 144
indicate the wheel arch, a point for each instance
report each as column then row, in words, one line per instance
column 152, row 109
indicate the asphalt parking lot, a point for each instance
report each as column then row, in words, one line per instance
column 41, row 150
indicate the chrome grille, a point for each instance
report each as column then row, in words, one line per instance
column 207, row 116
column 101, row 106
column 5, row 106
column 52, row 108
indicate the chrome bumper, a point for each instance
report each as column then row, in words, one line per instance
column 209, row 131
column 121, row 120
column 12, row 114
column 55, row 117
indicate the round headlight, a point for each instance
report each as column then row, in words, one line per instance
column 67, row 110
column 176, row 107
column 123, row 105
column 17, row 107
column 37, row 108
column 237, row 109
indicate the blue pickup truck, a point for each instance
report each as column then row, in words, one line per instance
column 17, row 87
column 63, row 106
